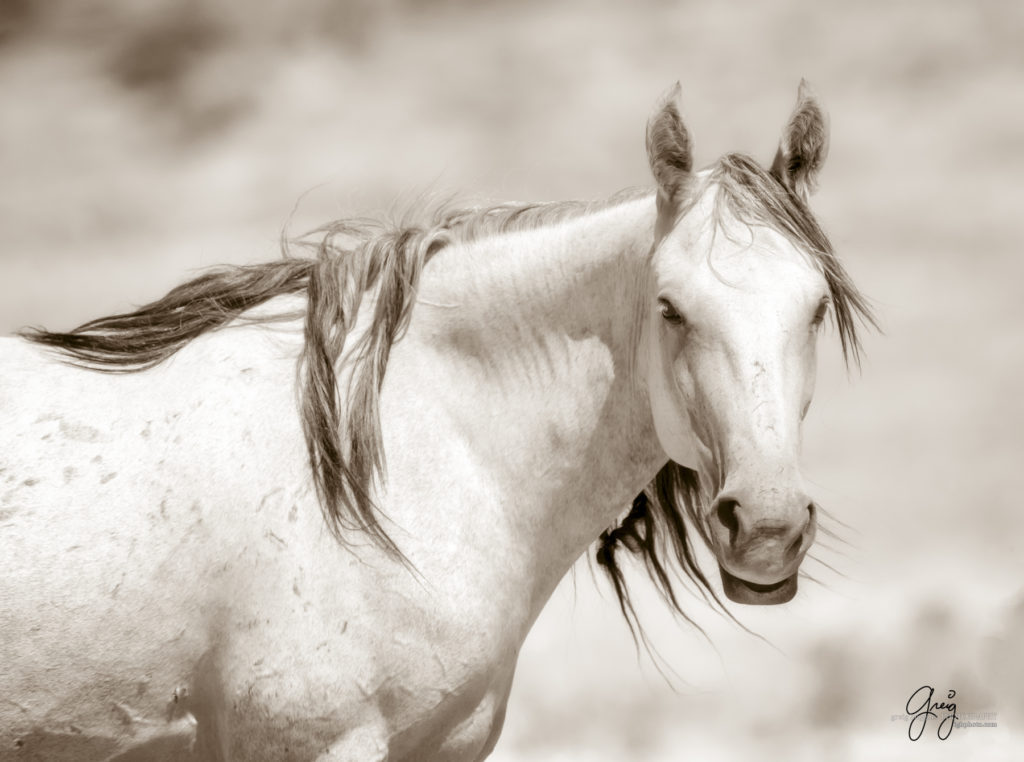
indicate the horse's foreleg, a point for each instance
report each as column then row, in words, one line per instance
column 370, row 741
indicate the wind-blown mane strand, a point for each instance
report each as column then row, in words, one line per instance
column 656, row 524
column 391, row 263
column 336, row 266
column 134, row 341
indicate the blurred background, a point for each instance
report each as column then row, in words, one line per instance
column 142, row 139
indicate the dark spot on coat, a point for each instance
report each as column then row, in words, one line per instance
column 266, row 497
column 271, row 536
column 69, row 474
column 293, row 514
column 30, row 482
column 97, row 459
column 79, row 432
column 107, row 477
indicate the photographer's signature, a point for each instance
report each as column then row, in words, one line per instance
column 920, row 707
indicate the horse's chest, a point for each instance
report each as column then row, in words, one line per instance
column 391, row 680
column 403, row 711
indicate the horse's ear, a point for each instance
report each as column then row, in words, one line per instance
column 804, row 145
column 669, row 151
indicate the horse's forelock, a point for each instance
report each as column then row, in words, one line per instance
column 753, row 195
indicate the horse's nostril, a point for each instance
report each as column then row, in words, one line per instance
column 798, row 541
column 726, row 513
column 794, row 547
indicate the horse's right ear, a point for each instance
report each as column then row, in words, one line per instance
column 669, row 152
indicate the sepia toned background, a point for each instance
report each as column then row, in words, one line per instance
column 141, row 139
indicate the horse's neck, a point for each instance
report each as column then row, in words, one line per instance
column 539, row 331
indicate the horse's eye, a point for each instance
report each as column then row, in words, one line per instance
column 819, row 316
column 670, row 313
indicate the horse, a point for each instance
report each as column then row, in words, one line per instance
column 309, row 509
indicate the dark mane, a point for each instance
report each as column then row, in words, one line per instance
column 657, row 520
column 335, row 266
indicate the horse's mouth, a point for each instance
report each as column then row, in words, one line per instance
column 740, row 591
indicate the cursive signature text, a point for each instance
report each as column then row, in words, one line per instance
column 920, row 707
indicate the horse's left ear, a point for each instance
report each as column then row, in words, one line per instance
column 804, row 145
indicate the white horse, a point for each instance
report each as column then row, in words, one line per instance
column 323, row 530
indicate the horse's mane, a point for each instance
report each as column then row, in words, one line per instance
column 337, row 264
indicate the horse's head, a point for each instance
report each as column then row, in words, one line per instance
column 737, row 294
